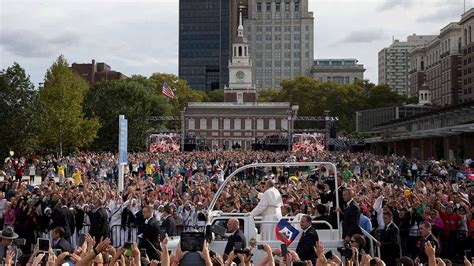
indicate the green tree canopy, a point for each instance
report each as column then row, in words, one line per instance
column 137, row 98
column 64, row 124
column 216, row 96
column 19, row 111
column 343, row 100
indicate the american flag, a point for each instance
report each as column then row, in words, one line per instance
column 167, row 91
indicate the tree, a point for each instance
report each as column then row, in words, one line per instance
column 269, row 95
column 64, row 124
column 19, row 111
column 216, row 96
column 137, row 98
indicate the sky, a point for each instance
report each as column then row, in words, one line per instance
column 141, row 36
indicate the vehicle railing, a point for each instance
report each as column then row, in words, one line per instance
column 371, row 240
column 329, row 165
column 297, row 222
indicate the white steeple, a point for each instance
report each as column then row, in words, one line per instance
column 240, row 70
column 240, row 29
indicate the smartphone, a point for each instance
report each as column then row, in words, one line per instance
column 260, row 247
column 284, row 250
column 143, row 253
column 328, row 255
column 43, row 244
column 468, row 254
column 20, row 242
column 192, row 241
column 128, row 249
column 238, row 248
column 162, row 234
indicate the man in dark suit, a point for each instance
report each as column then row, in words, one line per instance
column 99, row 221
column 169, row 223
column 351, row 215
column 59, row 242
column 237, row 236
column 426, row 235
column 63, row 217
column 389, row 243
column 308, row 239
column 151, row 234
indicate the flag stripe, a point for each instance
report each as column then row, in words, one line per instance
column 167, row 91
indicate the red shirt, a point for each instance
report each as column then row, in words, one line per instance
column 450, row 221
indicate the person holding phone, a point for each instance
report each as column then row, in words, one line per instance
column 151, row 234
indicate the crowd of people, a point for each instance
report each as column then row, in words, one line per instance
column 411, row 207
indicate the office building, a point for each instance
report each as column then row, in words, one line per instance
column 204, row 43
column 435, row 67
column 280, row 33
column 95, row 72
column 394, row 62
column 340, row 71
column 466, row 94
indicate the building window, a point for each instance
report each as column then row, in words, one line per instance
column 240, row 97
column 284, row 124
column 269, row 7
column 237, row 124
column 259, row 124
column 297, row 6
column 277, row 6
column 268, row 28
column 248, row 124
column 470, row 34
column 272, row 124
column 202, row 123
column 191, row 123
column 215, row 123
column 287, row 6
column 227, row 123
column 259, row 7
column 348, row 80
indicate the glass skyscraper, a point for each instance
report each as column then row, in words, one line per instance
column 204, row 43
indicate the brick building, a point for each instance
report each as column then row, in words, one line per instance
column 95, row 72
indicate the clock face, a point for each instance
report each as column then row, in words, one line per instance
column 240, row 75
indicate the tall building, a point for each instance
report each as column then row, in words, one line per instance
column 340, row 71
column 394, row 62
column 204, row 43
column 95, row 72
column 467, row 48
column 435, row 68
column 280, row 33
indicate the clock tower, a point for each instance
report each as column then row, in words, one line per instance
column 240, row 87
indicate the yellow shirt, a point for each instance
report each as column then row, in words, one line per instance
column 149, row 169
column 77, row 178
column 61, row 170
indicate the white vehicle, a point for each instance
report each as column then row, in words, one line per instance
column 331, row 238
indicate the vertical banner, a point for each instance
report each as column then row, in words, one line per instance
column 123, row 153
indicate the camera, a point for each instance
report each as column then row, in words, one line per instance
column 345, row 250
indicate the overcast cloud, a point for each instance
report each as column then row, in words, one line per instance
column 141, row 36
